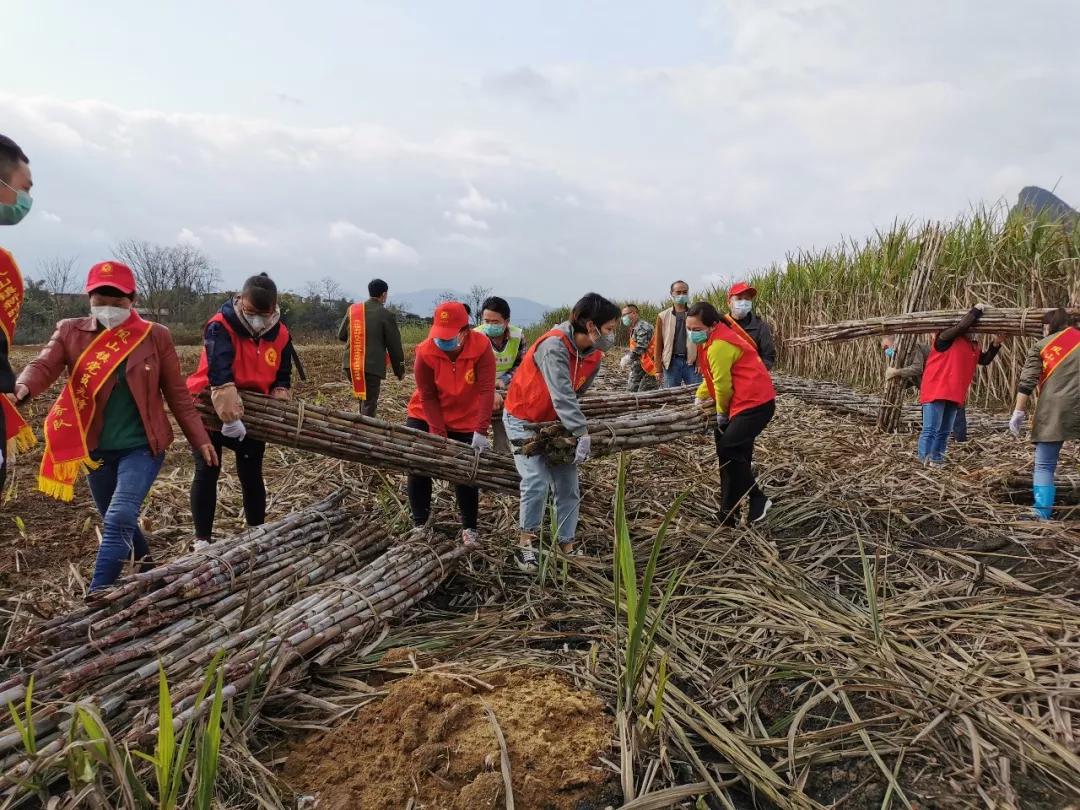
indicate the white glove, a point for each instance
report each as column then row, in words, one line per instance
column 624, row 361
column 584, row 445
column 1016, row 424
column 1, row 457
column 234, row 430
column 480, row 441
column 981, row 307
column 722, row 421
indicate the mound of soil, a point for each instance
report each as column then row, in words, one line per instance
column 430, row 740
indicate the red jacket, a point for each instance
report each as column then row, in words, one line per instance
column 948, row 375
column 742, row 369
column 528, row 398
column 454, row 393
column 152, row 373
column 255, row 362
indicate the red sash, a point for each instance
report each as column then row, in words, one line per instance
column 734, row 324
column 69, row 419
column 18, row 435
column 357, row 349
column 1060, row 346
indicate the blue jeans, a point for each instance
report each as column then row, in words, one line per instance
column 937, row 423
column 119, row 487
column 1046, row 461
column 680, row 373
column 959, row 430
column 538, row 477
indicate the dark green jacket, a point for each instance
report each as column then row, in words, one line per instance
column 383, row 338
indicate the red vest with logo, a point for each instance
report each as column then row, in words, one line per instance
column 456, row 380
column 528, row 398
column 948, row 374
column 751, row 383
column 255, row 363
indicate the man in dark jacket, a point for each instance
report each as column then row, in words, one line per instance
column 740, row 303
column 382, row 345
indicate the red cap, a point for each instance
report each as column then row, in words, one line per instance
column 450, row 318
column 111, row 274
column 741, row 288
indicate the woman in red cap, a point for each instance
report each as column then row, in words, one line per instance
column 741, row 305
column 455, row 391
column 110, row 419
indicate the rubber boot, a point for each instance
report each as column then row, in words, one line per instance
column 1044, row 500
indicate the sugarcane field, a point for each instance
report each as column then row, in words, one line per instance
column 539, row 406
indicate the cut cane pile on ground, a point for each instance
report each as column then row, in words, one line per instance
column 893, row 636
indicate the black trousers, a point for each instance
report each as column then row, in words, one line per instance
column 419, row 487
column 3, row 451
column 735, row 452
column 249, row 464
column 371, row 404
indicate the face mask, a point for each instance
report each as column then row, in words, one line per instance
column 603, row 342
column 257, row 322
column 682, row 300
column 625, row 320
column 447, row 345
column 16, row 213
column 698, row 337
column 110, row 317
column 889, row 352
column 492, row 330
column 740, row 308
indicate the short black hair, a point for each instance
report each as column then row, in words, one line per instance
column 113, row 292
column 376, row 287
column 593, row 307
column 496, row 304
column 677, row 281
column 631, row 306
column 1057, row 319
column 10, row 157
column 709, row 315
column 261, row 291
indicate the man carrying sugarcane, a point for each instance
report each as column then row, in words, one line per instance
column 373, row 343
column 15, row 201
column 639, row 361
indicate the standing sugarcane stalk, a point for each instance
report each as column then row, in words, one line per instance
column 916, row 299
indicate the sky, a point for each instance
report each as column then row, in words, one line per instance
column 542, row 148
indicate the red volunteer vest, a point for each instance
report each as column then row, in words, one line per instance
column 751, row 384
column 456, row 381
column 528, row 398
column 948, row 375
column 255, row 363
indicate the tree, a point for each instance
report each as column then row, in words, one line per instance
column 172, row 279
column 325, row 289
column 444, row 295
column 475, row 298
column 57, row 277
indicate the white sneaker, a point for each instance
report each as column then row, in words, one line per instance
column 469, row 538
column 526, row 559
column 200, row 545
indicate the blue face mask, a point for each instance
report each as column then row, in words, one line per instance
column 889, row 352
column 492, row 330
column 448, row 345
column 698, row 337
column 15, row 213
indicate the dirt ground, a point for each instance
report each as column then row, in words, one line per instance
column 431, row 741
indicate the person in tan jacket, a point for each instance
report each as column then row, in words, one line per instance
column 676, row 355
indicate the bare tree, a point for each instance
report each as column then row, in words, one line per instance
column 444, row 295
column 325, row 289
column 475, row 298
column 58, row 278
column 172, row 278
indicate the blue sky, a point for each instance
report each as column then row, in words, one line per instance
column 540, row 148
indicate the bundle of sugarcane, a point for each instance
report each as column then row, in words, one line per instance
column 642, row 429
column 993, row 321
column 616, row 404
column 373, row 442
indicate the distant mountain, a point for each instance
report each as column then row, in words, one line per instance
column 523, row 311
column 1034, row 201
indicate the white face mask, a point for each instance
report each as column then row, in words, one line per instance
column 258, row 322
column 110, row 317
column 740, row 307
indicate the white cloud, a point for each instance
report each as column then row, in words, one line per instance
column 376, row 248
column 188, row 237
column 476, row 203
column 482, row 243
column 49, row 216
column 238, row 235
column 464, row 220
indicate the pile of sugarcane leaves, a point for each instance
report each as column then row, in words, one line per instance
column 894, row 636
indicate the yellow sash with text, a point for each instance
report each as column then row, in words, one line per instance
column 18, row 435
column 66, row 454
column 1060, row 346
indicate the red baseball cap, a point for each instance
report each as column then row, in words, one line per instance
column 741, row 288
column 111, row 274
column 450, row 318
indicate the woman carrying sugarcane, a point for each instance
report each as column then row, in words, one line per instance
column 739, row 387
column 950, row 368
column 246, row 347
column 556, row 372
column 110, row 419
column 455, row 389
column 1052, row 367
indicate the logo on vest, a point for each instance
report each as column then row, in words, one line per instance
column 470, row 376
column 271, row 356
